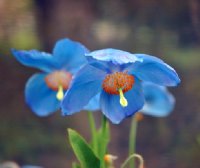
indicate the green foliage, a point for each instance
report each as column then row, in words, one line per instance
column 103, row 138
column 100, row 137
column 75, row 165
column 83, row 151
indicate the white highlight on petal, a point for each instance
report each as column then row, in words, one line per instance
column 114, row 55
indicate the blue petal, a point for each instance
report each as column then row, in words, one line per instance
column 35, row 59
column 85, row 85
column 39, row 97
column 69, row 55
column 158, row 101
column 104, row 66
column 154, row 70
column 115, row 56
column 94, row 103
column 112, row 109
column 148, row 58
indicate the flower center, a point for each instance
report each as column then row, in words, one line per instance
column 118, row 83
column 58, row 81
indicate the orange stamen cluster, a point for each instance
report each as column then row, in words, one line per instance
column 58, row 78
column 118, row 80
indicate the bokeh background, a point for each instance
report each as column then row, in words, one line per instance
column 169, row 29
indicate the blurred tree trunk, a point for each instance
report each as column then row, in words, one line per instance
column 64, row 18
column 195, row 17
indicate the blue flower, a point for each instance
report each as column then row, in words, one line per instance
column 44, row 91
column 117, row 76
column 159, row 102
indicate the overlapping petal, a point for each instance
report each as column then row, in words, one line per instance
column 109, row 61
column 85, row 85
column 152, row 69
column 93, row 103
column 114, row 111
column 115, row 56
column 41, row 99
column 35, row 59
column 159, row 102
column 69, row 55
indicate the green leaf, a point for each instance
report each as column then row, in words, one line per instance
column 93, row 132
column 83, row 151
column 75, row 165
column 103, row 138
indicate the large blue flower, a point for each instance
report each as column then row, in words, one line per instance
column 159, row 102
column 44, row 91
column 117, row 75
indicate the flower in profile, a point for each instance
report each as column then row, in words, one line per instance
column 117, row 75
column 159, row 102
column 44, row 91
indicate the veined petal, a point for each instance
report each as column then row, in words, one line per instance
column 85, row 85
column 154, row 70
column 35, row 59
column 41, row 99
column 69, row 55
column 113, row 55
column 159, row 102
column 112, row 109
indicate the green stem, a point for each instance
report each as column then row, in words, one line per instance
column 100, row 137
column 105, row 139
column 139, row 157
column 104, row 125
column 132, row 140
column 93, row 130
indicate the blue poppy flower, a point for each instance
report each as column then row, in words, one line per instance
column 159, row 102
column 117, row 75
column 44, row 91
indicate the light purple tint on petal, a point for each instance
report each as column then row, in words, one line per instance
column 113, row 55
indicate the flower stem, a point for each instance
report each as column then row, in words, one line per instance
column 132, row 140
column 105, row 137
column 104, row 124
column 139, row 157
column 93, row 130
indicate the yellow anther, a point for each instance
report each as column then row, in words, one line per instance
column 60, row 93
column 122, row 100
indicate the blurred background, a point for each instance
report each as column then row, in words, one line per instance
column 169, row 29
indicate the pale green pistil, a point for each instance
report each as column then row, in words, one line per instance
column 60, row 93
column 122, row 100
